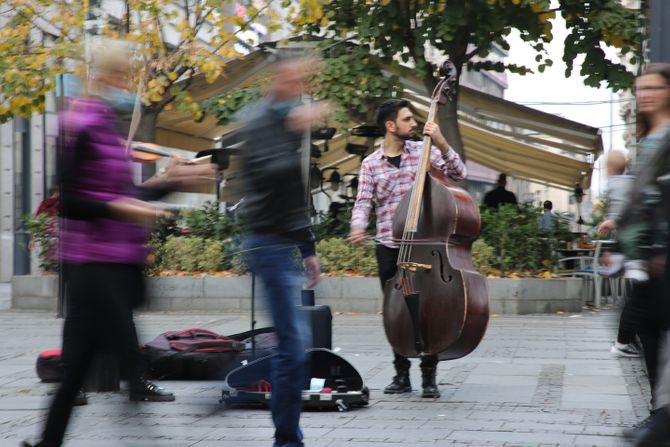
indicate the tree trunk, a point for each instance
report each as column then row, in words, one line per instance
column 146, row 131
column 447, row 119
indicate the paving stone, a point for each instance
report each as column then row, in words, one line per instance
column 535, row 380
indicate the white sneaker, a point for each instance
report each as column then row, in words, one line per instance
column 621, row 350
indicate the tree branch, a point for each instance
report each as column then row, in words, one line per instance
column 243, row 26
column 187, row 12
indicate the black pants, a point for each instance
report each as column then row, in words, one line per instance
column 387, row 260
column 643, row 315
column 100, row 303
column 633, row 312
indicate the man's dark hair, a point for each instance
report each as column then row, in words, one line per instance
column 388, row 111
column 548, row 205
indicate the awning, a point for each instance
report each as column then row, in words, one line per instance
column 520, row 141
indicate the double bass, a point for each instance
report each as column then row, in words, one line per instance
column 436, row 303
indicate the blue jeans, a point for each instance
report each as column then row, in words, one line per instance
column 271, row 258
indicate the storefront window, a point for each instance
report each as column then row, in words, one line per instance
column 21, row 194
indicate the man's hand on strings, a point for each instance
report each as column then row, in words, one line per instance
column 357, row 236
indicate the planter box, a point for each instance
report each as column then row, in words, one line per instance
column 35, row 292
column 522, row 296
column 342, row 294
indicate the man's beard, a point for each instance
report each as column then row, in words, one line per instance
column 405, row 137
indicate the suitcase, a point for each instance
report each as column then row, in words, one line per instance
column 320, row 320
column 250, row 384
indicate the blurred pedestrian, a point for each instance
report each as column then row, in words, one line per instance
column 386, row 176
column 277, row 221
column 619, row 185
column 103, row 234
column 642, row 229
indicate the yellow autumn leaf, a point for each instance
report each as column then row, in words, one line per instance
column 181, row 26
column 172, row 76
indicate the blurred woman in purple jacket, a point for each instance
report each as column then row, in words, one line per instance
column 104, row 228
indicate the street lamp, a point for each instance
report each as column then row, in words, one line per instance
column 578, row 194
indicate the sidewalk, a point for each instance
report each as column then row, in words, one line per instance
column 5, row 295
column 534, row 381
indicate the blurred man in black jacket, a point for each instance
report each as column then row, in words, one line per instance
column 277, row 218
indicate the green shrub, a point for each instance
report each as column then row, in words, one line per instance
column 482, row 256
column 43, row 231
column 190, row 254
column 210, row 223
column 515, row 236
column 337, row 257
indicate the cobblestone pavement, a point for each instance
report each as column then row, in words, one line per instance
column 534, row 381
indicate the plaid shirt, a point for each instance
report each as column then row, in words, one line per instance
column 380, row 180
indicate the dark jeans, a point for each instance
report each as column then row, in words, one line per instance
column 649, row 329
column 100, row 303
column 272, row 259
column 387, row 260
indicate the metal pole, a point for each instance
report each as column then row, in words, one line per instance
column 253, row 315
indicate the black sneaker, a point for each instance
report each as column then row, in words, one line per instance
column 657, row 431
column 632, row 432
column 145, row 390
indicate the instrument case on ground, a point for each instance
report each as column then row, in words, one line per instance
column 251, row 384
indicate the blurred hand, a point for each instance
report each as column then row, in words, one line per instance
column 137, row 211
column 304, row 117
column 181, row 174
column 606, row 227
column 357, row 236
column 313, row 270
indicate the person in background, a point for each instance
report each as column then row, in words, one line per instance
column 618, row 188
column 547, row 220
column 103, row 232
column 616, row 196
column 500, row 195
column 277, row 222
column 50, row 205
column 386, row 176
